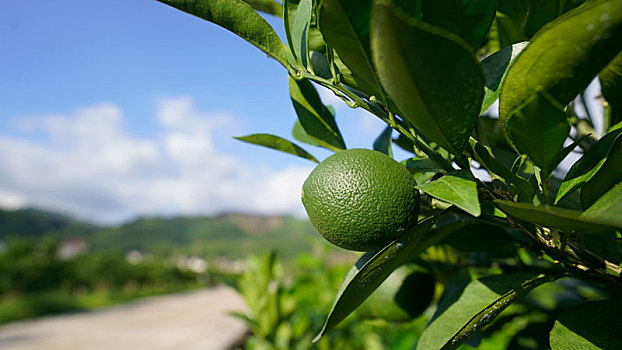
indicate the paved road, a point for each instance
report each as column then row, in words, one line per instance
column 192, row 321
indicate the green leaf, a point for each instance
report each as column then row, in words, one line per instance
column 504, row 32
column 345, row 27
column 565, row 219
column 418, row 164
column 238, row 17
column 485, row 157
column 539, row 128
column 403, row 296
column 611, row 87
column 541, row 13
column 475, row 306
column 607, row 176
column 495, row 69
column 470, row 19
column 564, row 56
column 383, row 142
column 320, row 65
column 299, row 133
column 590, row 325
column 268, row 6
column 608, row 207
column 373, row 268
column 584, row 169
column 315, row 118
column 423, row 169
column 277, row 143
column 300, row 30
column 458, row 188
column 422, row 81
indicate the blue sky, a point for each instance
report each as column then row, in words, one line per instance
column 112, row 109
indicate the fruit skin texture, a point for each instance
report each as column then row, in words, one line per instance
column 361, row 199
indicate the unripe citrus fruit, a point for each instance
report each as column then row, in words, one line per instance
column 403, row 296
column 361, row 199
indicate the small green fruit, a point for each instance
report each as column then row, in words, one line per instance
column 361, row 199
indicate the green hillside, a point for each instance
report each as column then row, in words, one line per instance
column 35, row 223
column 229, row 235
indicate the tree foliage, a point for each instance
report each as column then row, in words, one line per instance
column 430, row 70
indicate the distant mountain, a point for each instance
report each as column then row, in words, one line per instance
column 231, row 235
column 34, row 223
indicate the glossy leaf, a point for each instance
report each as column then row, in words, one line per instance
column 590, row 325
column 584, row 169
column 495, row 69
column 458, row 188
column 608, row 207
column 607, row 176
column 539, row 128
column 374, row 267
column 315, row 118
column 238, row 17
column 345, row 27
column 300, row 29
column 267, row 6
column 421, row 81
column 423, row 169
column 277, row 143
column 469, row 19
column 564, row 57
column 611, row 87
column 299, row 133
column 473, row 307
column 565, row 219
column 383, row 141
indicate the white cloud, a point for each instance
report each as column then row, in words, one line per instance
column 87, row 165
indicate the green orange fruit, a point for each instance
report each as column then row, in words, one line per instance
column 361, row 199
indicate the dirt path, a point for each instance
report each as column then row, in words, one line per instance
column 192, row 321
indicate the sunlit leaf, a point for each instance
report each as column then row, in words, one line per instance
column 238, row 17
column 565, row 219
column 268, row 6
column 315, row 118
column 277, row 143
column 300, row 29
column 458, row 188
column 421, row 81
column 564, row 57
column 608, row 207
column 345, row 27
